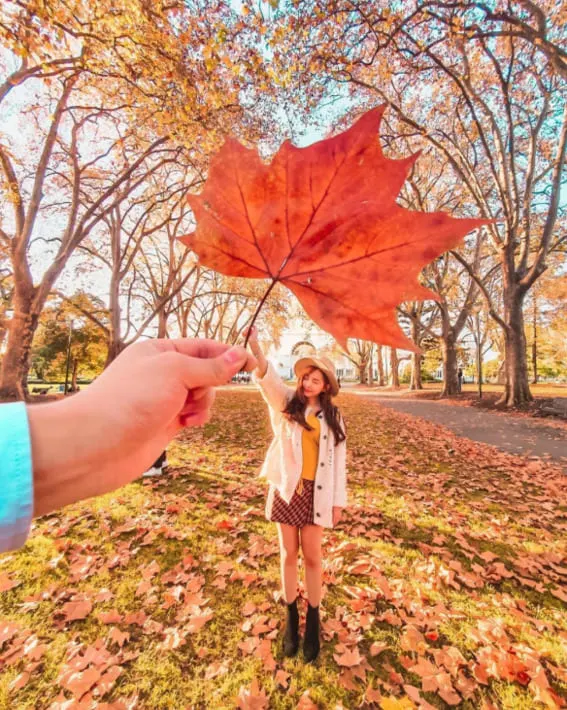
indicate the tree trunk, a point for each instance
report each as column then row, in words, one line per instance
column 534, row 343
column 416, row 382
column 416, row 359
column 450, row 369
column 162, row 323
column 517, row 388
column 394, row 364
column 449, row 353
column 115, row 347
column 371, row 366
column 15, row 363
column 39, row 370
column 501, row 376
column 380, row 362
column 479, row 367
column 115, row 343
column 74, row 376
column 363, row 372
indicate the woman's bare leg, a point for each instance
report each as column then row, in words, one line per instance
column 289, row 547
column 311, row 539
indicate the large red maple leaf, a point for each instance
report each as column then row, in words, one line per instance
column 323, row 221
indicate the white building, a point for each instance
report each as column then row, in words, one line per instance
column 302, row 342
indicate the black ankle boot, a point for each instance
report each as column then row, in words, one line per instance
column 311, row 645
column 291, row 635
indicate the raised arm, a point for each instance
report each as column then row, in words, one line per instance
column 273, row 388
column 260, row 371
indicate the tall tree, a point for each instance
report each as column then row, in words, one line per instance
column 422, row 317
column 154, row 73
column 66, row 332
column 430, row 188
column 380, row 365
column 360, row 354
column 138, row 247
column 75, row 176
column 222, row 307
column 490, row 100
column 394, row 381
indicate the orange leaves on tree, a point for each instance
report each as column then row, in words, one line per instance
column 324, row 222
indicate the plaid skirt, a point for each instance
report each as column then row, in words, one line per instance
column 299, row 512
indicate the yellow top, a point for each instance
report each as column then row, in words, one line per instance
column 310, row 448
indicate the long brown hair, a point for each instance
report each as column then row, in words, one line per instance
column 295, row 408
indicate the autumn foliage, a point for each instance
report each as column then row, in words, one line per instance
column 444, row 585
column 324, row 221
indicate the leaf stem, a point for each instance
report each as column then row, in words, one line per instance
column 257, row 313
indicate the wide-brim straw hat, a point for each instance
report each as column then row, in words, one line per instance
column 321, row 363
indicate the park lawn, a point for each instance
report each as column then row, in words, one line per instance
column 445, row 585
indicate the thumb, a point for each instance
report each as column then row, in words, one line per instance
column 210, row 372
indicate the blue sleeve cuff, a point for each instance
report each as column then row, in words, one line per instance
column 16, row 476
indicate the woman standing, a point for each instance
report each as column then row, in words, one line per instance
column 305, row 466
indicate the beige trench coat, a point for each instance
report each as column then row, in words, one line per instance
column 284, row 459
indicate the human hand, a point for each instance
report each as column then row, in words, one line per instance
column 110, row 433
column 252, row 335
column 257, row 351
column 337, row 515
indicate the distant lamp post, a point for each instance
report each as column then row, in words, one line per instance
column 68, row 355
